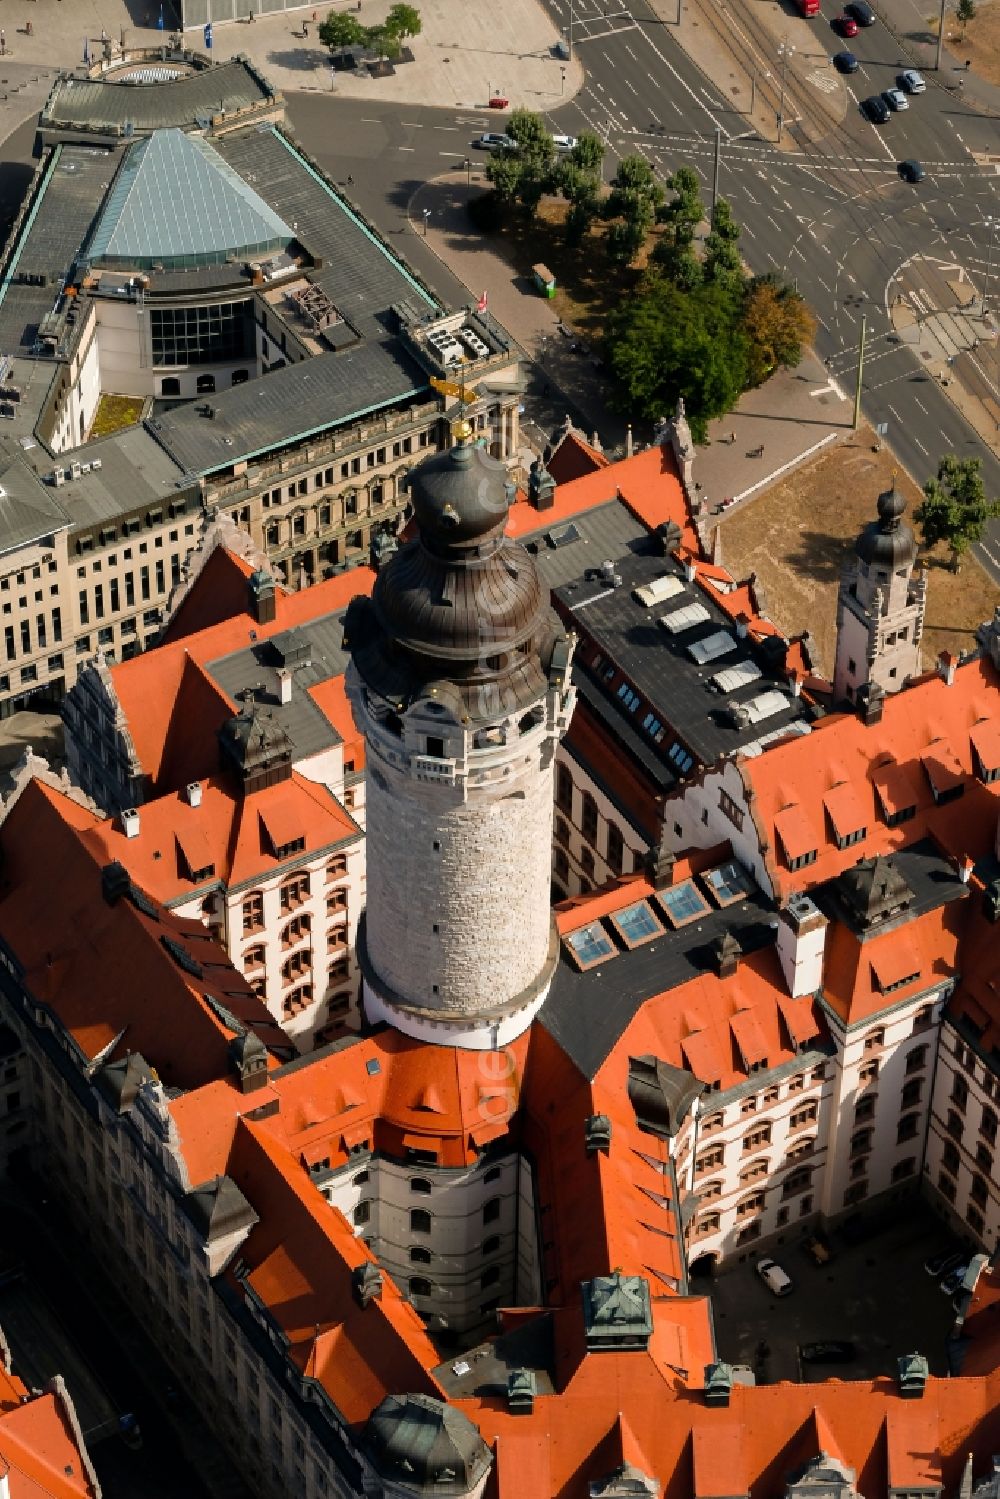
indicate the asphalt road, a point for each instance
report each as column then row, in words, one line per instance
column 830, row 215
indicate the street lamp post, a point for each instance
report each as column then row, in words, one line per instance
column 991, row 224
column 468, row 170
column 784, row 52
column 571, row 20
column 426, row 213
column 562, row 76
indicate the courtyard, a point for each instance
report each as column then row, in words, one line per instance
column 873, row 1293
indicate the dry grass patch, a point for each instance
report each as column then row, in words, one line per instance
column 797, row 535
column 980, row 41
column 115, row 412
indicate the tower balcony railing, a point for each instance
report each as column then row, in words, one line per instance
column 431, row 768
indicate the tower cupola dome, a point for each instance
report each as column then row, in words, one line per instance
column 460, row 497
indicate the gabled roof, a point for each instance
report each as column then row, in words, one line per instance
column 176, row 203
column 39, row 1451
column 923, row 744
column 217, row 594
column 573, row 457
column 84, row 966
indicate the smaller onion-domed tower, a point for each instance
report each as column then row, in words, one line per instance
column 460, row 681
column 880, row 607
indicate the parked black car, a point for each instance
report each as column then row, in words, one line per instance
column 845, row 62
column 861, row 12
column 875, row 109
column 912, row 171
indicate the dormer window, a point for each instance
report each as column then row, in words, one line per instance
column 434, row 746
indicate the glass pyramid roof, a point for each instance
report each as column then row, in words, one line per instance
column 176, row 203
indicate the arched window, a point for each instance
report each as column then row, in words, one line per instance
column 205, row 385
column 419, row 1255
column 754, row 1170
column 420, row 1184
column 170, row 386
column 799, row 1149
column 420, row 1286
column 491, row 1210
column 490, row 1276
column 589, row 819
column 616, row 848
column 875, row 1040
column 253, row 958
column 420, row 1221
column 362, row 1211
column 562, row 831
column 564, row 789
column 493, row 1174
column 491, row 1244
column 240, row 377
column 707, row 1223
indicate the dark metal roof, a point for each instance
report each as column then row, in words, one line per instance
column 588, row 1012
column 106, row 103
column 219, row 1208
column 29, row 510
column 426, row 1445
column 360, row 274
column 914, row 881
column 660, row 665
column 887, row 542
column 73, row 190
column 256, row 667
column 288, row 405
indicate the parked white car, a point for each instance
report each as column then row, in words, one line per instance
column 777, row 1281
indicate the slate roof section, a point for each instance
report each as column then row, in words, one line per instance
column 257, row 667
column 29, row 511
column 288, row 405
column 59, row 222
column 135, row 471
column 658, row 662
column 106, row 103
column 588, row 1012
column 177, row 203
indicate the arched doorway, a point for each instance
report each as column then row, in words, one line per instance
column 702, row 1267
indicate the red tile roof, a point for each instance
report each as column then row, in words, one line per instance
column 574, row 457
column 39, row 1454
column 647, row 484
column 84, row 965
column 925, row 733
column 166, row 691
column 218, row 593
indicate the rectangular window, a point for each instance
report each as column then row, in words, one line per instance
column 25, row 636
column 84, row 603
column 129, row 590
column 161, row 581
column 143, row 582
column 99, row 601
column 57, row 625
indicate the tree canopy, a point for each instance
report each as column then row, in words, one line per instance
column 668, row 343
column 403, row 21
column 955, row 508
column 341, row 30
column 778, row 324
column 523, row 171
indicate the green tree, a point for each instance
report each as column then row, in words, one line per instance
column 403, row 21
column 581, row 187
column 340, row 30
column 777, row 324
column 634, row 199
column 383, row 42
column 664, row 343
column 966, row 12
column 503, row 170
column 955, row 508
column 588, row 153
column 722, row 247
column 674, row 251
column 525, row 170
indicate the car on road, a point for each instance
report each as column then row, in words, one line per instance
column 875, row 109
column 912, row 82
column 778, row 1282
column 953, row 1280
column 912, row 171
column 944, row 1260
column 846, row 62
column 861, row 12
column 845, row 25
column 895, row 98
column 491, row 141
column 833, row 1352
column 564, row 142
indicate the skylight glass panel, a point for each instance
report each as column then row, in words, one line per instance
column 563, row 536
column 590, row 945
column 637, row 924
column 729, row 883
column 766, row 705
column 683, row 903
column 720, row 643
column 732, row 678
column 685, row 619
column 658, row 591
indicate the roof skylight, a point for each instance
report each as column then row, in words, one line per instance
column 589, row 946
column 637, row 924
column 683, row 903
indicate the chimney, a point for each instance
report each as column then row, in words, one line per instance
column 690, row 570
column 284, row 685
column 871, row 701
column 947, row 664
column 130, row 822
column 193, row 793
column 541, row 487
column 115, row 882
column 795, row 683
column 742, row 626
column 597, row 1134
column 522, row 1387
column 366, row 1282
column 718, row 1384
column 726, row 954
column 965, row 868
column 800, row 944
column 263, row 599
column 913, row 1373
